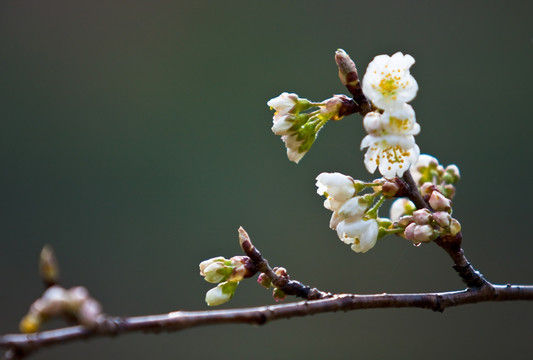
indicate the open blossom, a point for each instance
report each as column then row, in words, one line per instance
column 390, row 141
column 388, row 82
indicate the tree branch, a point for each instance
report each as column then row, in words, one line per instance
column 180, row 320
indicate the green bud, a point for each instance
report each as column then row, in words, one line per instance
column 221, row 294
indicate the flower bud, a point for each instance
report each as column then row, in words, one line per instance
column 280, row 271
column 390, row 188
column 219, row 269
column 372, row 123
column 264, row 280
column 217, row 272
column 89, row 313
column 221, row 294
column 30, row 323
column 421, row 171
column 409, row 232
column 455, row 227
column 331, row 108
column 449, row 191
column 204, row 264
column 420, row 233
column 54, row 300
column 422, row 217
column 401, row 207
column 442, row 218
column 427, row 188
column 439, row 202
column 76, row 297
column 48, row 267
column 440, row 171
column 424, row 233
column 278, row 294
column 244, row 267
column 347, row 69
column 405, row 220
column 452, row 174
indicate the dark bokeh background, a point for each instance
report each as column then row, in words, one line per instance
column 135, row 138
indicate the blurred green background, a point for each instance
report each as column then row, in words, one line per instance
column 135, row 139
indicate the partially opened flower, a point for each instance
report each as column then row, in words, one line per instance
column 336, row 187
column 401, row 207
column 388, row 81
column 299, row 129
column 288, row 103
column 361, row 234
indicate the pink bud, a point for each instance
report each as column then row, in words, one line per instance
column 422, row 216
column 439, row 202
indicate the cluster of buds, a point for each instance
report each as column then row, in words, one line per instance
column 350, row 218
column 266, row 282
column 227, row 273
column 430, row 175
column 427, row 226
column 391, row 129
column 299, row 129
column 74, row 303
column 436, row 187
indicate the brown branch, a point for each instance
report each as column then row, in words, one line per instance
column 451, row 244
column 289, row 287
column 180, row 320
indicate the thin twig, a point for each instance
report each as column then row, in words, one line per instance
column 289, row 287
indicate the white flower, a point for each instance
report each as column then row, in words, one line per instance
column 284, row 104
column 293, row 147
column 388, row 82
column 423, row 164
column 393, row 154
column 400, row 121
column 206, row 263
column 336, row 187
column 282, row 124
column 353, row 208
column 361, row 234
column 391, row 145
column 401, row 207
